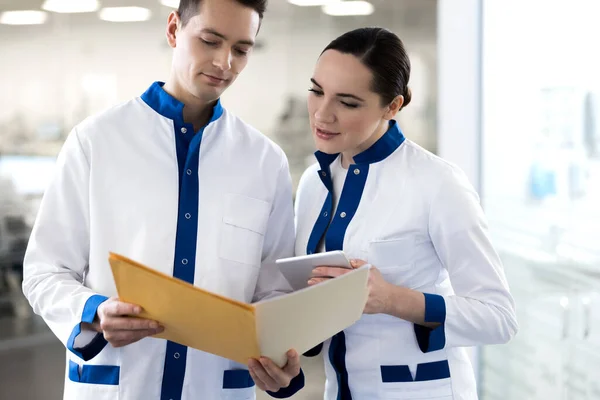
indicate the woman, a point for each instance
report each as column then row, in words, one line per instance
column 436, row 284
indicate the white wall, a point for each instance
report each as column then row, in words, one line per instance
column 459, row 87
column 459, row 59
column 44, row 70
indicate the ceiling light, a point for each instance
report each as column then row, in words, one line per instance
column 24, row 17
column 341, row 8
column 71, row 6
column 170, row 3
column 125, row 14
column 310, row 3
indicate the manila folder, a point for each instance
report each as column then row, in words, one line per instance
column 239, row 331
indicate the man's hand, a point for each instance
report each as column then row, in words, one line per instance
column 117, row 322
column 268, row 376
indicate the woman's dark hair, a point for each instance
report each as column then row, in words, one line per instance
column 190, row 8
column 383, row 53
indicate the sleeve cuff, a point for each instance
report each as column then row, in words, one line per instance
column 435, row 311
column 95, row 346
column 315, row 351
column 295, row 385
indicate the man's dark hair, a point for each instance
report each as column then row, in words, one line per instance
column 190, row 8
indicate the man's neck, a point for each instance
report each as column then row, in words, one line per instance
column 195, row 111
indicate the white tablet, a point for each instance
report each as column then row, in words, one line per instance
column 297, row 270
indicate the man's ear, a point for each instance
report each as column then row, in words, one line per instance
column 173, row 25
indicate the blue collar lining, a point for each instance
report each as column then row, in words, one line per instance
column 379, row 151
column 168, row 106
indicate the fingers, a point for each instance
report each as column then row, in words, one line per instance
column 357, row 263
column 329, row 272
column 260, row 384
column 316, row 281
column 127, row 324
column 268, row 376
column 115, row 308
column 119, row 329
column 124, row 338
column 261, row 377
column 321, row 274
column 281, row 378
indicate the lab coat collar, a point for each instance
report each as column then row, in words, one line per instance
column 379, row 151
column 168, row 106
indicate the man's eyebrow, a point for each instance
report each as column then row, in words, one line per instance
column 211, row 31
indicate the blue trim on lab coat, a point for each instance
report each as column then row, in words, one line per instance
column 187, row 144
column 295, row 385
column 435, row 311
column 336, row 226
column 425, row 372
column 237, row 379
column 88, row 315
column 94, row 374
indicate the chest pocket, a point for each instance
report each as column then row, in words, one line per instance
column 243, row 228
column 394, row 258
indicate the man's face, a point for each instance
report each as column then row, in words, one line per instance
column 213, row 47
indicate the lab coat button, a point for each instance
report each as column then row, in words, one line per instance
column 356, row 171
column 323, row 173
column 176, row 355
column 189, row 172
column 325, row 214
column 343, row 215
column 184, row 130
column 188, row 216
column 184, row 261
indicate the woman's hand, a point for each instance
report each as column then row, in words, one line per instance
column 380, row 291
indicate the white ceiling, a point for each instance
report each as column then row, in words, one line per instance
column 412, row 9
column 413, row 19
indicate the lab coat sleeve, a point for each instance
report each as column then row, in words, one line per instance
column 57, row 255
column 279, row 238
column 482, row 310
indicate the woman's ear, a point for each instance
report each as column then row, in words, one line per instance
column 393, row 108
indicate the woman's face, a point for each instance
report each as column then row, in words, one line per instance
column 346, row 116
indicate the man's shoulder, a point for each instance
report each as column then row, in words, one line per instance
column 248, row 136
column 112, row 117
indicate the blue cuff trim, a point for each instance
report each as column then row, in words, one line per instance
column 97, row 344
column 435, row 308
column 425, row 372
column 435, row 311
column 94, row 374
column 237, row 379
column 315, row 351
column 296, row 384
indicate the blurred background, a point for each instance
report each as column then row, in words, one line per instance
column 507, row 89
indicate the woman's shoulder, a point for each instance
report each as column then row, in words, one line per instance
column 429, row 171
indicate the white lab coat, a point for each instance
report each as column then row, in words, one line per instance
column 416, row 218
column 218, row 216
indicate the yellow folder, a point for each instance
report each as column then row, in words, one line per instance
column 239, row 331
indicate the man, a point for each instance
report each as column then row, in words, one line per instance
column 176, row 182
